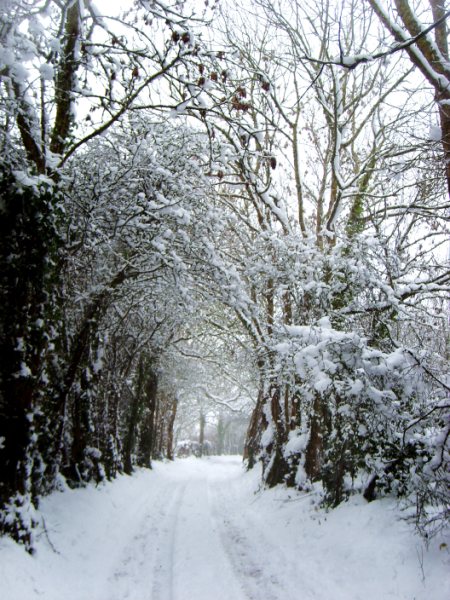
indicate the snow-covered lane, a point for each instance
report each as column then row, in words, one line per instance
column 175, row 551
column 201, row 569
column 147, row 537
column 143, row 569
column 196, row 530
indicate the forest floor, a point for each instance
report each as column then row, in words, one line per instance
column 202, row 530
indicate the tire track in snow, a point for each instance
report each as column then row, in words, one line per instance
column 241, row 554
column 201, row 568
column 263, row 567
column 193, row 539
column 137, row 568
column 163, row 565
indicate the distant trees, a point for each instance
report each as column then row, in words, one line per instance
column 209, row 369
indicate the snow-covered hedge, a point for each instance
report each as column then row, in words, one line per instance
column 377, row 420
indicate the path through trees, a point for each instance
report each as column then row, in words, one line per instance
column 206, row 208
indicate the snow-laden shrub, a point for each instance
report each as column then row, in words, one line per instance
column 369, row 419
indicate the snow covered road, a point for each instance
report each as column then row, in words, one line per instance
column 189, row 545
column 196, row 530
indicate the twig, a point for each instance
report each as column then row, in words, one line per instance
column 420, row 559
column 302, row 497
column 50, row 543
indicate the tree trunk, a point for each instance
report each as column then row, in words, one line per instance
column 201, row 438
column 315, row 447
column 170, row 428
column 276, row 468
column 148, row 429
column 428, row 60
column 257, row 424
column 27, row 244
column 129, row 441
column 222, row 428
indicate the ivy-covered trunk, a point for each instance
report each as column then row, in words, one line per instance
column 170, row 427
column 149, row 401
column 139, row 435
column 28, row 248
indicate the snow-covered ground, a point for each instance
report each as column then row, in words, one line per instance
column 200, row 530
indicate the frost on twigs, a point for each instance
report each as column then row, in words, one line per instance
column 376, row 415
